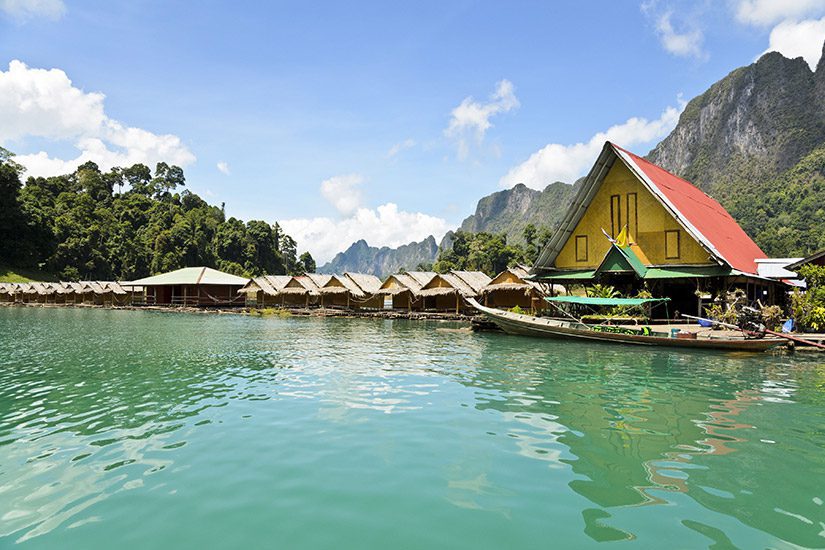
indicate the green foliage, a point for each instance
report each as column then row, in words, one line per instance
column 808, row 307
column 601, row 291
column 306, row 263
column 479, row 252
column 77, row 227
column 517, row 309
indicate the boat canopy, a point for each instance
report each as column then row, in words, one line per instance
column 593, row 301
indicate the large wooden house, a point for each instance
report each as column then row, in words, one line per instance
column 634, row 224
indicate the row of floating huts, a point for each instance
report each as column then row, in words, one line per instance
column 99, row 293
column 411, row 291
column 203, row 287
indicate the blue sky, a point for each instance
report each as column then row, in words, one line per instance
column 378, row 120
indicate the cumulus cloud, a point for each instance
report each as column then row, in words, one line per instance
column 557, row 162
column 471, row 119
column 400, row 146
column 684, row 44
column 45, row 104
column 223, row 168
column 23, row 10
column 769, row 12
column 343, row 192
column 385, row 225
column 799, row 39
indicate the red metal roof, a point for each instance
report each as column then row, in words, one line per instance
column 711, row 224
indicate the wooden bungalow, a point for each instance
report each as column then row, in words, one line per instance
column 512, row 288
column 7, row 291
column 369, row 285
column 445, row 291
column 634, row 225
column 346, row 292
column 264, row 291
column 405, row 289
column 191, row 286
column 303, row 290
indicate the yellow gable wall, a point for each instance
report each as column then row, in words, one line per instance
column 647, row 228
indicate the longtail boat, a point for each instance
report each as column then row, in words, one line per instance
column 545, row 327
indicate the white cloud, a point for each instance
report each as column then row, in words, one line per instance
column 23, row 10
column 557, row 162
column 45, row 104
column 342, row 192
column 684, row 44
column 385, row 225
column 769, row 12
column 471, row 119
column 400, row 146
column 799, row 39
column 223, row 168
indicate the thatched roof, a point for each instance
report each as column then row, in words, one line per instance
column 271, row 285
column 340, row 284
column 513, row 278
column 369, row 284
column 398, row 283
column 8, row 288
column 476, row 280
column 446, row 283
column 305, row 284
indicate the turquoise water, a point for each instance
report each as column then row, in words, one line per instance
column 161, row 430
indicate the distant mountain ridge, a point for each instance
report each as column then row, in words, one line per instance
column 509, row 211
column 362, row 258
column 755, row 141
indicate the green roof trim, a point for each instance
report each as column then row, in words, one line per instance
column 592, row 301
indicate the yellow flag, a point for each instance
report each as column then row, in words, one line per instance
column 622, row 241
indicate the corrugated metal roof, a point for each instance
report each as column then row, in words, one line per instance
column 191, row 276
column 776, row 268
column 701, row 215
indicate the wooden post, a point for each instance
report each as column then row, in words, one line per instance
column 457, row 298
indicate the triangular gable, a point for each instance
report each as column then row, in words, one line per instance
column 622, row 260
column 703, row 218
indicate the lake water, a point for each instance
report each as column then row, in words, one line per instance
column 141, row 429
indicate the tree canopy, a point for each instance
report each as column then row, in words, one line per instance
column 128, row 223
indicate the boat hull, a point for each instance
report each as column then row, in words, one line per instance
column 526, row 325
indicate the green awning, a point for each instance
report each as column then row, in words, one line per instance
column 592, row 301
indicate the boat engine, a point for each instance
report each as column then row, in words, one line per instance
column 750, row 320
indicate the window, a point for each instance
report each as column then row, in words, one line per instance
column 581, row 248
column 672, row 238
column 632, row 215
column 615, row 215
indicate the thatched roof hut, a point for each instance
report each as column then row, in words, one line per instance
column 512, row 288
column 405, row 288
column 369, row 284
column 265, row 290
column 352, row 290
column 448, row 289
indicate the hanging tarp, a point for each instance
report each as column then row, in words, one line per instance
column 593, row 301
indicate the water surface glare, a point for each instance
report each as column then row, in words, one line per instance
column 159, row 430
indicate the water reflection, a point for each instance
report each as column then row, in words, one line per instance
column 732, row 433
column 97, row 407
